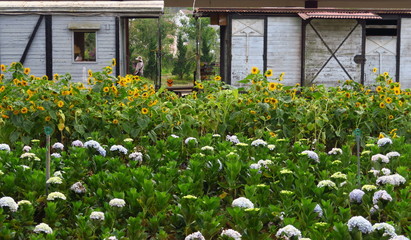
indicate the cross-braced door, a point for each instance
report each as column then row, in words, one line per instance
column 330, row 48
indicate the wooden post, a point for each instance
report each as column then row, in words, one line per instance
column 48, row 131
column 357, row 133
column 198, row 41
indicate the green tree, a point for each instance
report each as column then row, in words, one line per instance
column 181, row 66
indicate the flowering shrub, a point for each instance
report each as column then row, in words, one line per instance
column 139, row 164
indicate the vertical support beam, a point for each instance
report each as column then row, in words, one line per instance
column 398, row 53
column 33, row 34
column 223, row 58
column 117, row 43
column 303, row 39
column 198, row 42
column 229, row 48
column 127, row 43
column 159, row 55
column 363, row 43
column 49, row 46
column 265, row 44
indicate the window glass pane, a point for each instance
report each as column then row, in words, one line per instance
column 85, row 46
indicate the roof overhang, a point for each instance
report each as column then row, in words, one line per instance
column 115, row 8
column 338, row 15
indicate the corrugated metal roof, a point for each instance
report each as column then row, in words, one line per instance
column 128, row 8
column 296, row 10
column 338, row 15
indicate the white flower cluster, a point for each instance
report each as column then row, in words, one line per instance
column 43, row 227
column 312, row 155
column 174, row 136
column 5, row 147
column 271, row 147
column 395, row 179
column 288, row 231
column 26, row 148
column 55, row 180
column 286, row 171
column 388, row 229
column 339, row 175
column 392, row 154
column 195, row 236
column 119, row 148
column 207, row 148
column 55, row 195
column 136, row 156
column 399, row 237
column 258, row 142
column 386, row 171
column 128, row 140
column 242, row 202
column 216, row 135
column 233, row 138
column 58, row 146
column 23, row 202
column 9, row 202
column 112, row 238
column 335, row 151
column 117, row 202
column 383, row 141
column 375, row 172
column 326, row 183
column 189, row 139
column 58, row 174
column 356, row 195
column 318, row 210
column 29, row 156
column 381, row 194
column 95, row 145
column 260, row 164
column 240, row 144
column 232, row 234
column 360, row 223
column 381, row 157
column 56, row 155
column 374, row 209
column 78, row 188
column 369, row 187
column 77, row 143
column 97, row 216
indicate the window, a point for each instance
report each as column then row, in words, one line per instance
column 381, row 28
column 84, row 46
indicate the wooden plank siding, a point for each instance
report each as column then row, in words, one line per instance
column 63, row 60
column 15, row 32
column 284, row 48
column 405, row 60
column 333, row 31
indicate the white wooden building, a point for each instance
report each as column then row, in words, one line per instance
column 314, row 45
column 69, row 36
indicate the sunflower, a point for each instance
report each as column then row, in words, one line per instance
column 388, row 100
column 400, row 103
column 45, row 77
column 26, row 71
column 269, row 73
column 272, row 86
column 164, row 109
column 357, row 104
column 60, row 104
column 106, row 89
column 109, row 70
column 200, row 86
column 5, row 116
column 382, row 105
column 40, row 108
column 267, row 100
column 389, row 81
column 381, row 136
column 144, row 95
column 274, row 101
column 268, row 117
column 347, row 95
column 272, row 134
column 24, row 110
column 374, row 70
column 152, row 103
column 2, row 88
column 115, row 121
column 90, row 73
column 397, row 91
column 1, row 77
column 281, row 76
column 217, row 78
column 385, row 74
column 3, row 67
column 144, row 111
column 378, row 89
column 113, row 62
column 393, row 131
column 253, row 112
column 254, row 70
column 390, row 117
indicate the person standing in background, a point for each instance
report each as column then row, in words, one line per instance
column 139, row 67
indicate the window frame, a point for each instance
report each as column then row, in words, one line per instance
column 95, row 31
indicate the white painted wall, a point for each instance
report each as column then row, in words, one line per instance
column 15, row 32
column 247, row 48
column 405, row 59
column 63, row 46
column 284, row 48
column 333, row 31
